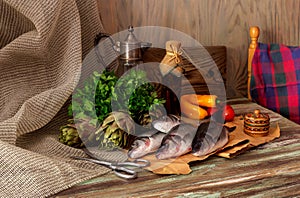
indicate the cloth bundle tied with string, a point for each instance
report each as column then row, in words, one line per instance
column 172, row 60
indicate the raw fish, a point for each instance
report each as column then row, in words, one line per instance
column 166, row 123
column 177, row 142
column 145, row 145
column 210, row 137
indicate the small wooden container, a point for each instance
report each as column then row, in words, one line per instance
column 256, row 124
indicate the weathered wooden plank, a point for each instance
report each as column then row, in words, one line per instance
column 225, row 178
column 270, row 170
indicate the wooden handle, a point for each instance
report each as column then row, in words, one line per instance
column 254, row 34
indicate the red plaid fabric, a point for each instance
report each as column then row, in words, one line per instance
column 275, row 79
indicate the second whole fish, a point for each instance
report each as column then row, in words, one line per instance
column 177, row 142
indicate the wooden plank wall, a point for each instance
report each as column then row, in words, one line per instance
column 212, row 22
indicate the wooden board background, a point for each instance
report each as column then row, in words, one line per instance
column 217, row 22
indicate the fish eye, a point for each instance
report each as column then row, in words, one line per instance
column 135, row 145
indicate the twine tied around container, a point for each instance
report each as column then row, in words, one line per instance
column 171, row 61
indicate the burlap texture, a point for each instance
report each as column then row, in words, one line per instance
column 42, row 45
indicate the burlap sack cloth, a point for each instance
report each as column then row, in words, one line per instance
column 42, row 45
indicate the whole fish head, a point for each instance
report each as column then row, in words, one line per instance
column 138, row 147
column 166, row 123
column 169, row 148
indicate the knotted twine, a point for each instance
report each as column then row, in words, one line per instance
column 172, row 59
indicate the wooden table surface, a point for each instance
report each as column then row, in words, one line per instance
column 269, row 170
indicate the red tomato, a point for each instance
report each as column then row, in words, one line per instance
column 228, row 113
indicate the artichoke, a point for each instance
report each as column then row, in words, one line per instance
column 70, row 136
column 116, row 131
